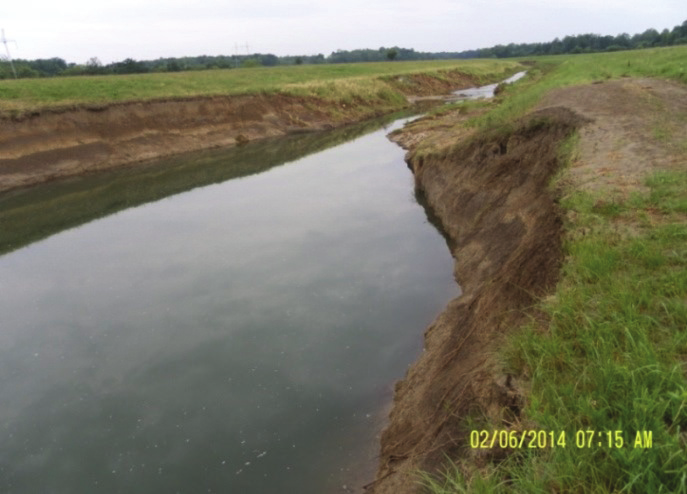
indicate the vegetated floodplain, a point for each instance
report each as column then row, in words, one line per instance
column 28, row 94
column 608, row 371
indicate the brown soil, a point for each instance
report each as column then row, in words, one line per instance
column 424, row 86
column 637, row 125
column 491, row 194
column 57, row 143
column 492, row 199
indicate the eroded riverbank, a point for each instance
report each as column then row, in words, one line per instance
column 491, row 191
column 491, row 197
column 28, row 215
column 60, row 142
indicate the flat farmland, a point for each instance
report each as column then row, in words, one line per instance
column 30, row 94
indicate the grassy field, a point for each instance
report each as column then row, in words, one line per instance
column 61, row 91
column 566, row 70
column 612, row 360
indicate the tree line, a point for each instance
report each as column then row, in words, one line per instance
column 591, row 43
column 582, row 43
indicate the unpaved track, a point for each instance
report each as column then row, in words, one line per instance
column 637, row 126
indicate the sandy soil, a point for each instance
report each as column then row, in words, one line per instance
column 492, row 197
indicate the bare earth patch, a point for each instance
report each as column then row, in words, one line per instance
column 638, row 126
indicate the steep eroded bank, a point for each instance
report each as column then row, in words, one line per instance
column 61, row 142
column 491, row 195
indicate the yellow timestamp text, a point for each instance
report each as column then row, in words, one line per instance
column 541, row 439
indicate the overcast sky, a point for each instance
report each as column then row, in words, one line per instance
column 113, row 30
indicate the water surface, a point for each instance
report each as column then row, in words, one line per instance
column 242, row 336
column 485, row 92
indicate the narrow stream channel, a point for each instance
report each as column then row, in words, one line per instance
column 213, row 330
column 484, row 92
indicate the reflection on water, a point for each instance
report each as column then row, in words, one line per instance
column 35, row 213
column 484, row 92
column 241, row 336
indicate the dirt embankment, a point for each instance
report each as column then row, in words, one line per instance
column 492, row 199
column 56, row 143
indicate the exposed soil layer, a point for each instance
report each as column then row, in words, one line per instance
column 415, row 86
column 57, row 143
column 493, row 202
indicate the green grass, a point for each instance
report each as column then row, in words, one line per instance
column 61, row 91
column 613, row 357
column 566, row 70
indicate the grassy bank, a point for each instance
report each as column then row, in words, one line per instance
column 27, row 94
column 605, row 372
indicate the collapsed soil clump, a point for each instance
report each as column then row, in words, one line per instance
column 492, row 198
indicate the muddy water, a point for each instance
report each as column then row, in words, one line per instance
column 241, row 336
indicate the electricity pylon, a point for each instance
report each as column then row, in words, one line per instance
column 4, row 40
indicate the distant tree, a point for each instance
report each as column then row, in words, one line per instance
column 130, row 66
column 581, row 43
column 249, row 63
column 623, row 40
column 48, row 67
column 6, row 71
column 173, row 66
column 22, row 68
column 666, row 38
column 269, row 60
column 94, row 66
column 650, row 37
